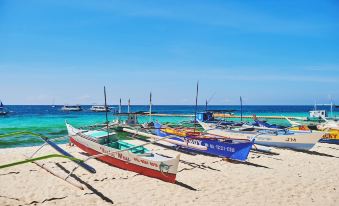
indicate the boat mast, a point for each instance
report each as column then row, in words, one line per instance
column 196, row 107
column 120, row 106
column 106, row 110
column 315, row 105
column 129, row 104
column 206, row 105
column 240, row 108
column 331, row 107
column 150, row 107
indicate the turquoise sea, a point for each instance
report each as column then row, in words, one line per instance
column 50, row 121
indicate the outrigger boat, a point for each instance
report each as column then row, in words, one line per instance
column 330, row 127
column 206, row 144
column 123, row 154
column 299, row 140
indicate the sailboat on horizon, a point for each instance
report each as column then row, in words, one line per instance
column 2, row 109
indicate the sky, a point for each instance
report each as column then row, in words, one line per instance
column 268, row 52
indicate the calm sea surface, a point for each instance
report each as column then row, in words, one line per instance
column 51, row 121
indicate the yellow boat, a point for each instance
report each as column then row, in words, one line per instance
column 181, row 132
column 331, row 136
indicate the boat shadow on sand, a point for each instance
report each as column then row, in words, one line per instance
column 194, row 165
column 313, row 153
column 185, row 185
column 90, row 187
column 246, row 163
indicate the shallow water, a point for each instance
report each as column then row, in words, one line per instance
column 50, row 121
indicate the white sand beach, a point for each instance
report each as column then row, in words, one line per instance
column 290, row 178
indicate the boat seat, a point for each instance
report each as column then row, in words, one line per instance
column 113, row 145
column 123, row 146
column 137, row 150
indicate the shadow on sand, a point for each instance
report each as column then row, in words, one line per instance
column 90, row 187
column 185, row 185
column 246, row 163
column 314, row 153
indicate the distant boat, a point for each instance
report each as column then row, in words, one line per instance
column 53, row 105
column 100, row 108
column 71, row 108
column 2, row 109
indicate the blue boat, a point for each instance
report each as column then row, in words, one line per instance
column 329, row 141
column 211, row 145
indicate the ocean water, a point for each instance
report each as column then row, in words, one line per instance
column 50, row 121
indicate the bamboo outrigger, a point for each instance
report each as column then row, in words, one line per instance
column 63, row 154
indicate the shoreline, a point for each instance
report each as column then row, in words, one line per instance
column 290, row 178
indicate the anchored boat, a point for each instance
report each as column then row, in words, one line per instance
column 100, row 108
column 71, row 108
column 124, row 155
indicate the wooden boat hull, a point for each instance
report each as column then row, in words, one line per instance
column 236, row 150
column 332, row 137
column 299, row 140
column 155, row 166
column 167, row 177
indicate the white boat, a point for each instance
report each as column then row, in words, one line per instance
column 122, row 154
column 73, row 108
column 100, row 108
column 320, row 114
column 299, row 140
column 329, row 124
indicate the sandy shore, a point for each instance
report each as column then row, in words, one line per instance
column 290, row 178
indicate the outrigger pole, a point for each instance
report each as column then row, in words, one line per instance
column 63, row 154
column 55, row 146
column 38, row 158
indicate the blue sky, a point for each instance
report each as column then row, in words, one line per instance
column 269, row 52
